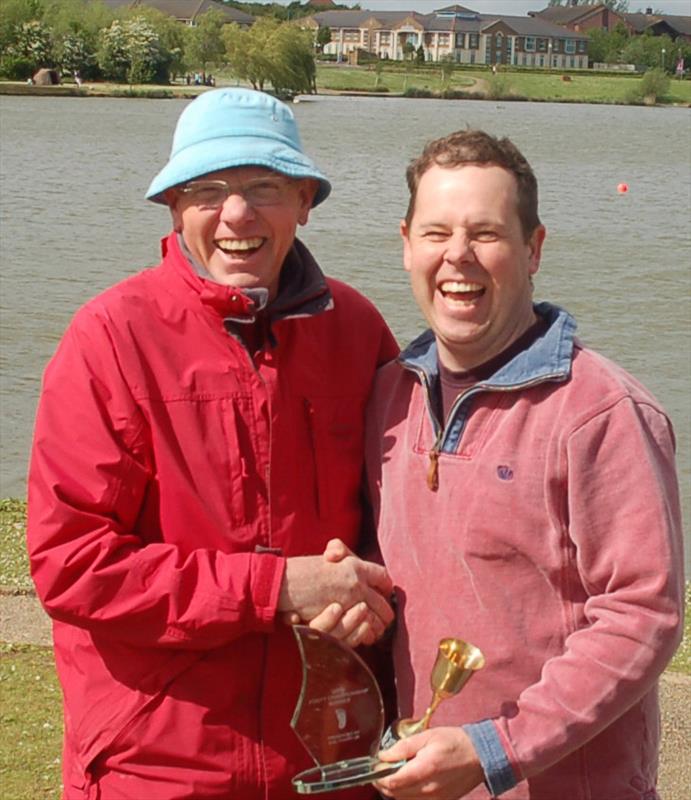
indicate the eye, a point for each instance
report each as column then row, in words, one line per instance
column 434, row 235
column 207, row 195
column 486, row 235
column 264, row 192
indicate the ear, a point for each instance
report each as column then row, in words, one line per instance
column 405, row 234
column 307, row 190
column 172, row 198
column 535, row 242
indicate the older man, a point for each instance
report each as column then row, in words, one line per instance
column 541, row 520
column 199, row 440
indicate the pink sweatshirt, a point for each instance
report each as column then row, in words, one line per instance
column 553, row 543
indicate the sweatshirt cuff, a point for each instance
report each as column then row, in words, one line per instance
column 499, row 774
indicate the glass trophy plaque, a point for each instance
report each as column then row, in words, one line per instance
column 339, row 716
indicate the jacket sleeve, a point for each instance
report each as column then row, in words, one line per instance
column 624, row 527
column 91, row 468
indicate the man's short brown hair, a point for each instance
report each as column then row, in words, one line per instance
column 478, row 148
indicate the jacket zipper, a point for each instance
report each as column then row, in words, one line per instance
column 435, row 451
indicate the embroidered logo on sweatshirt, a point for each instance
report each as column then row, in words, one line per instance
column 504, row 472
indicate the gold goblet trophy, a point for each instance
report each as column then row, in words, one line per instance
column 455, row 664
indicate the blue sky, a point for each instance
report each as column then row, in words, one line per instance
column 509, row 7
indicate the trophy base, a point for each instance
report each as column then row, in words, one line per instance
column 343, row 774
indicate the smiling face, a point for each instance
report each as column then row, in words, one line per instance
column 239, row 244
column 469, row 261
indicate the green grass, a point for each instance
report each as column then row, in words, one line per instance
column 30, row 704
column 31, row 720
column 549, row 86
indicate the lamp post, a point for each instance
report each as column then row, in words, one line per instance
column 663, row 58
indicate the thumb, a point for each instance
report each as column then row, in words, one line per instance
column 336, row 550
column 404, row 749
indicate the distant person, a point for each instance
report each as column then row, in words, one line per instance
column 526, row 499
column 199, row 441
column 77, row 78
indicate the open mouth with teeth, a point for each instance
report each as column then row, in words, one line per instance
column 461, row 292
column 240, row 248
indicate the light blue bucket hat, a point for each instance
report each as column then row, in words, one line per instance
column 225, row 128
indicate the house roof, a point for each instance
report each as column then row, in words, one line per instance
column 565, row 15
column 641, row 22
column 475, row 23
column 186, row 9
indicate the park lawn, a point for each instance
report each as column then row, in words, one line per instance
column 31, row 720
column 586, row 88
column 582, row 88
column 396, row 81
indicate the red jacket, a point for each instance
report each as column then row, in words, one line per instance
column 171, row 475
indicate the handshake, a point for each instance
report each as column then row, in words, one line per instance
column 337, row 593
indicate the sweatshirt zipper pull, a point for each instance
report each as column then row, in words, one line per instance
column 433, row 469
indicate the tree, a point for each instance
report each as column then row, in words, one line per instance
column 75, row 27
column 420, row 54
column 408, row 50
column 32, row 43
column 205, row 42
column 620, row 6
column 323, row 38
column 272, row 52
column 130, row 51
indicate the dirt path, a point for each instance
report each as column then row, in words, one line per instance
column 23, row 621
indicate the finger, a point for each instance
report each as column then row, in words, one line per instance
column 349, row 626
column 380, row 608
column 290, row 618
column 378, row 578
column 404, row 749
column 327, row 620
column 336, row 550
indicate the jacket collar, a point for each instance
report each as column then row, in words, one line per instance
column 548, row 358
column 303, row 290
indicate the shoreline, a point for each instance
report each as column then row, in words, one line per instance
column 183, row 92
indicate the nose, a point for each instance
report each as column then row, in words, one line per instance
column 236, row 209
column 458, row 249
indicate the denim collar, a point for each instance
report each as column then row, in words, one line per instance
column 547, row 359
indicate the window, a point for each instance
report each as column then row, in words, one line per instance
column 529, row 43
column 460, row 40
column 555, row 61
column 572, row 62
column 472, row 57
column 443, row 39
column 351, row 36
column 488, row 56
column 542, row 45
column 474, row 42
column 570, row 46
column 542, row 61
column 385, row 38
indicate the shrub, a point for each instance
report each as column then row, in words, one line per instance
column 654, row 84
column 16, row 68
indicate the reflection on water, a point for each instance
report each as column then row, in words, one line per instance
column 73, row 220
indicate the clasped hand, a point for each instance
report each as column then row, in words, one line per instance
column 338, row 593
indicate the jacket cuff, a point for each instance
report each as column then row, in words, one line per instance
column 499, row 774
column 266, row 579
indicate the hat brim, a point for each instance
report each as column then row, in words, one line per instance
column 236, row 151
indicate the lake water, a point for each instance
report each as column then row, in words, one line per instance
column 73, row 220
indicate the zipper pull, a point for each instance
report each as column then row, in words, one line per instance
column 433, row 470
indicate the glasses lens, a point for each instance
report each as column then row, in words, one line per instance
column 264, row 191
column 209, row 194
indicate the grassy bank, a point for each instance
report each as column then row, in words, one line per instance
column 397, row 79
column 506, row 85
column 30, row 707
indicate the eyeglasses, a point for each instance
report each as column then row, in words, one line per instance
column 268, row 191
